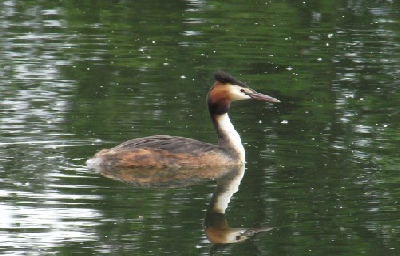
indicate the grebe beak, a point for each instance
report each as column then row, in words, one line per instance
column 259, row 96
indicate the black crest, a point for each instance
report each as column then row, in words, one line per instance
column 223, row 77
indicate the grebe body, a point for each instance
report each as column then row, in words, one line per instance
column 161, row 151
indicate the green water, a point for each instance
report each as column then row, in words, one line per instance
column 322, row 166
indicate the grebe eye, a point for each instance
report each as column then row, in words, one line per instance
column 242, row 90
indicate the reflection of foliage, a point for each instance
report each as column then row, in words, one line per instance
column 334, row 94
column 116, row 70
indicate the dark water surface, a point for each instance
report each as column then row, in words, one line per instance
column 323, row 166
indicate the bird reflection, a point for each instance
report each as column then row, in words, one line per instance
column 163, row 177
column 216, row 225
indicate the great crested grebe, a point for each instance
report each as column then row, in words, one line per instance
column 161, row 151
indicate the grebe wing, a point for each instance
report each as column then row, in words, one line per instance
column 173, row 144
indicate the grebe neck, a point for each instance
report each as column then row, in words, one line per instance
column 228, row 137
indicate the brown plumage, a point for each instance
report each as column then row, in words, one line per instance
column 164, row 151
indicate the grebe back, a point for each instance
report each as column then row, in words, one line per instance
column 173, row 151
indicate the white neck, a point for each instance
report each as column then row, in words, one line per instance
column 228, row 137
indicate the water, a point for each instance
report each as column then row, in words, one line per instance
column 322, row 166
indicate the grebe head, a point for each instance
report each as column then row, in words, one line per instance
column 227, row 89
